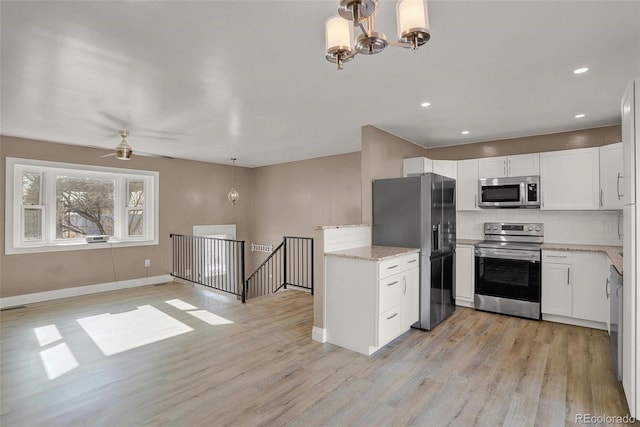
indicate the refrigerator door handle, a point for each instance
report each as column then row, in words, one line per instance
column 435, row 237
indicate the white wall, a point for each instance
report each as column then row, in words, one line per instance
column 576, row 227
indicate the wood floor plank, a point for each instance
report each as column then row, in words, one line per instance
column 475, row 368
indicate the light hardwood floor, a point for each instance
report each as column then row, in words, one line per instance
column 474, row 369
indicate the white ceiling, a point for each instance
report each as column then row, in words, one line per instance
column 210, row 80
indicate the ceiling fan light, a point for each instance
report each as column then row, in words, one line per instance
column 123, row 151
column 413, row 22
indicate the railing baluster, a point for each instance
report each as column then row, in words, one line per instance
column 220, row 264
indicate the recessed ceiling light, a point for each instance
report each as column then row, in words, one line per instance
column 579, row 116
column 425, row 104
column 465, row 132
column 581, row 70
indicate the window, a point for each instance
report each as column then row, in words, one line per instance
column 55, row 206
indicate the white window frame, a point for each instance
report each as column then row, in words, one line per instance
column 14, row 227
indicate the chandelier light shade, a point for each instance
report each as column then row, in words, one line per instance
column 413, row 22
column 233, row 195
column 413, row 29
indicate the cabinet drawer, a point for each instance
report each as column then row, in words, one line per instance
column 390, row 292
column 389, row 325
column 557, row 257
column 396, row 265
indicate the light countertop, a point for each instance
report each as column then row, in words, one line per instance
column 326, row 227
column 373, row 253
column 613, row 252
column 467, row 241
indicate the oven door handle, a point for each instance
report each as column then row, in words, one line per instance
column 508, row 254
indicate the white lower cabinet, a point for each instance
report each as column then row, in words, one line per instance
column 465, row 275
column 574, row 288
column 370, row 303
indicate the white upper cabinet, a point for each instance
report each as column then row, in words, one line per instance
column 570, row 180
column 416, row 165
column 448, row 168
column 419, row 165
column 611, row 177
column 467, row 185
column 629, row 131
column 492, row 167
column 498, row 167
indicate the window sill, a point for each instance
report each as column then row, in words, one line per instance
column 78, row 246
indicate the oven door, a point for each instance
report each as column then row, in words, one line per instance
column 507, row 273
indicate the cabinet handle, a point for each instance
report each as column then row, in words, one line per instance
column 606, row 288
column 393, row 266
column 392, row 316
column 475, row 200
column 392, row 283
column 413, row 260
column 504, row 168
column 404, row 290
column 601, row 204
column 509, row 169
column 619, row 216
column 618, row 185
column 555, row 256
column 568, row 273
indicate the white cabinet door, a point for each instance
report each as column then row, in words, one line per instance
column 467, row 185
column 629, row 131
column 492, row 167
column 523, row 165
column 416, row 165
column 448, row 168
column 570, row 180
column 630, row 312
column 410, row 298
column 556, row 289
column 590, row 273
column 611, row 177
column 464, row 273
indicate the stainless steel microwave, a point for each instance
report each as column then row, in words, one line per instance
column 511, row 192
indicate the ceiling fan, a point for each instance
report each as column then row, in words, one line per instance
column 124, row 151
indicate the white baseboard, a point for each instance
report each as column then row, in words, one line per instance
column 318, row 334
column 576, row 322
column 82, row 290
column 464, row 303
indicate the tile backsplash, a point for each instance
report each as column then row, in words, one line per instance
column 577, row 227
column 338, row 239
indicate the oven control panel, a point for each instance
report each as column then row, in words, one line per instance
column 513, row 229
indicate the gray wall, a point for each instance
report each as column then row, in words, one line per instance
column 191, row 193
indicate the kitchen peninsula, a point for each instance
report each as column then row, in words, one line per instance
column 371, row 295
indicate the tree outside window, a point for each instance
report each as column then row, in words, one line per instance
column 84, row 206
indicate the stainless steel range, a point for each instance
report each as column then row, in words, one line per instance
column 508, row 269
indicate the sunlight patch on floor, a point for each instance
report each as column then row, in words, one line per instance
column 181, row 305
column 210, row 318
column 115, row 333
column 47, row 334
column 58, row 360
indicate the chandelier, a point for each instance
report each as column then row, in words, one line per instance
column 233, row 195
column 413, row 29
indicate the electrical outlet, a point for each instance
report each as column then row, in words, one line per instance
column 147, row 263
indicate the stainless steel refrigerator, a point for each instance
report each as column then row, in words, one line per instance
column 420, row 212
